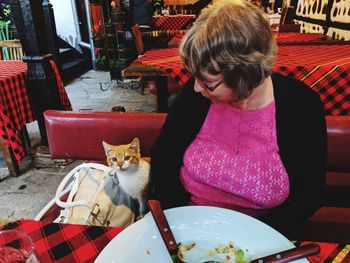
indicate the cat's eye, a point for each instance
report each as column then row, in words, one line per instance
column 114, row 159
column 126, row 158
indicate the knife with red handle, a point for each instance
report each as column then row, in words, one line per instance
column 163, row 226
column 290, row 254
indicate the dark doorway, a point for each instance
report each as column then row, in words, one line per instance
column 82, row 20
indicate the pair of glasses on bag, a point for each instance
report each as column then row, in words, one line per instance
column 210, row 87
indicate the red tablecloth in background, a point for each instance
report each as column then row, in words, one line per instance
column 281, row 38
column 15, row 108
column 292, row 37
column 77, row 243
column 63, row 95
column 325, row 68
column 173, row 22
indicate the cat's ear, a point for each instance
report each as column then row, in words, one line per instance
column 107, row 147
column 135, row 145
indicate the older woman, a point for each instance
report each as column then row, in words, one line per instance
column 240, row 136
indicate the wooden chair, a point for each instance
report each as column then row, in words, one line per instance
column 137, row 39
column 11, row 50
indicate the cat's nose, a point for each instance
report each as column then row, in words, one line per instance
column 120, row 164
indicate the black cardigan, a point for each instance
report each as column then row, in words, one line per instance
column 301, row 137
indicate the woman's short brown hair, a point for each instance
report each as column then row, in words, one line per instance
column 232, row 37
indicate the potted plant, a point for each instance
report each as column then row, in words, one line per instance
column 120, row 26
column 123, row 51
column 97, row 35
column 116, row 12
column 110, row 29
column 7, row 27
column 114, row 70
column 101, row 60
column 111, row 53
column 123, row 63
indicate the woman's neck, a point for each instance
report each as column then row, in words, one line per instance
column 260, row 97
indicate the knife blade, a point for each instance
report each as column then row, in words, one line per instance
column 164, row 228
column 290, row 254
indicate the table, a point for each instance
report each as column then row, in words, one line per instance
column 175, row 41
column 296, row 37
column 165, row 27
column 282, row 38
column 325, row 68
column 78, row 243
column 137, row 69
column 16, row 110
column 173, row 22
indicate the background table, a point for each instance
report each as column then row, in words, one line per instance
column 15, row 107
column 78, row 243
column 174, row 22
column 325, row 68
column 282, row 38
column 294, row 37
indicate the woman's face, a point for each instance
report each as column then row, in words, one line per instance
column 215, row 88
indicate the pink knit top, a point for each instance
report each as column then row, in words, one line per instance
column 234, row 162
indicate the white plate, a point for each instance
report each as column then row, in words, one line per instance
column 208, row 227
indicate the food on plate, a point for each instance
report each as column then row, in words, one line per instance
column 230, row 252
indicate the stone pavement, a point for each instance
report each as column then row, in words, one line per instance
column 26, row 195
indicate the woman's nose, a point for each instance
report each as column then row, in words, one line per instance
column 197, row 87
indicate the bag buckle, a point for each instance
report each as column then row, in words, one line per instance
column 95, row 215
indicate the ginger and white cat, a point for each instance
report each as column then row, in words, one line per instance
column 129, row 170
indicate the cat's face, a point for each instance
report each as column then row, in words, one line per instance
column 123, row 156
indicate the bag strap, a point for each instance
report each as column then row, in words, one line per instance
column 72, row 173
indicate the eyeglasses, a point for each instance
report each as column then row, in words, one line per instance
column 209, row 87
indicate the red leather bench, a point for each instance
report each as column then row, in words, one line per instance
column 79, row 135
column 332, row 221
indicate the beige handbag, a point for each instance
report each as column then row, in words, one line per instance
column 95, row 198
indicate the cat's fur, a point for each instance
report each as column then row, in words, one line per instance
column 129, row 170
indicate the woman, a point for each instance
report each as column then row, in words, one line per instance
column 240, row 136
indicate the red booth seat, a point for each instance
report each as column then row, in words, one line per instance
column 79, row 135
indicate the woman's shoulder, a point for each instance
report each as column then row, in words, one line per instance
column 291, row 88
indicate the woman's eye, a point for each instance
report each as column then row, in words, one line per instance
column 126, row 158
column 114, row 159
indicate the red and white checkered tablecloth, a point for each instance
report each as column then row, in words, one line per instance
column 325, row 68
column 15, row 107
column 175, row 22
column 80, row 243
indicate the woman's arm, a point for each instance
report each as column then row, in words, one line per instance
column 180, row 128
column 304, row 156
